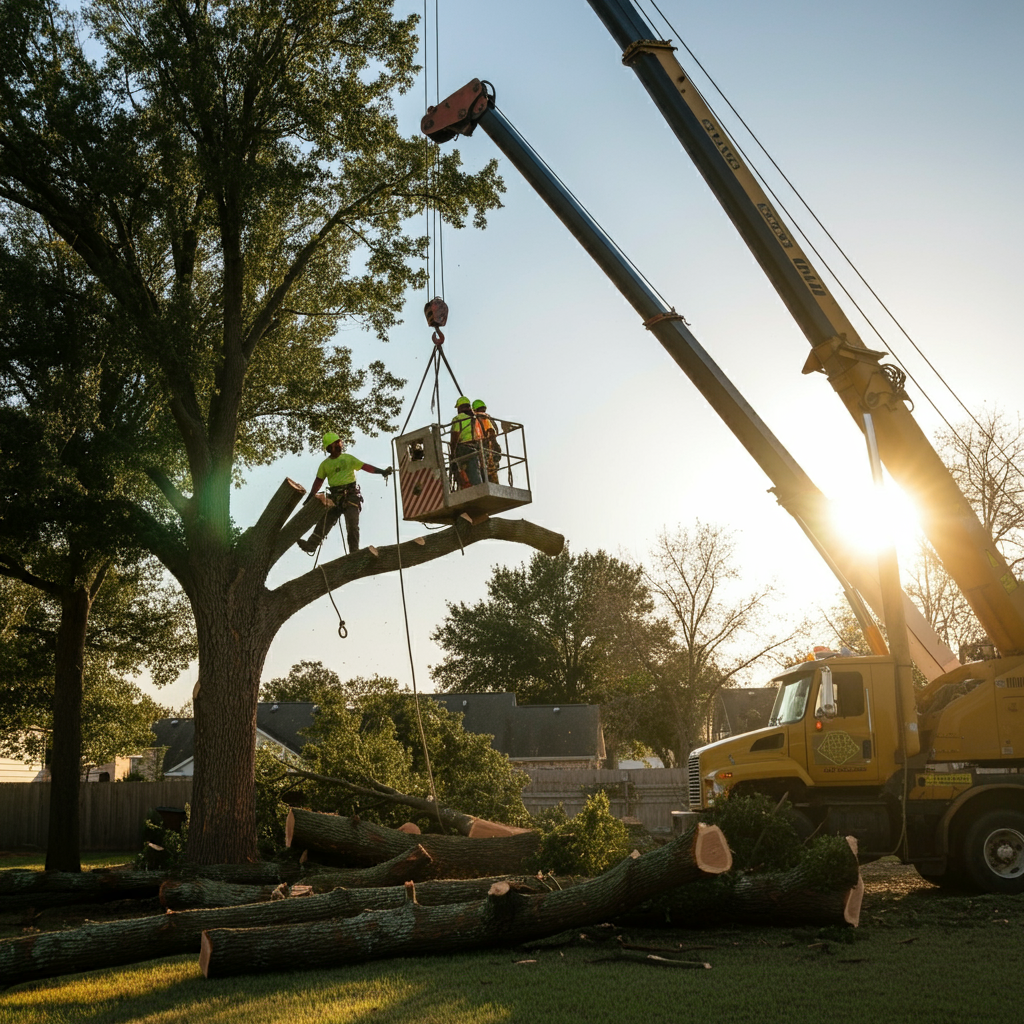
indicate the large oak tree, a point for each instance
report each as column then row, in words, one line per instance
column 232, row 175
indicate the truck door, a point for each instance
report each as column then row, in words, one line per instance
column 841, row 750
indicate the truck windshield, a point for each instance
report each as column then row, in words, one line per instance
column 791, row 701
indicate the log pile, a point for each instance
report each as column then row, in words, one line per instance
column 406, row 894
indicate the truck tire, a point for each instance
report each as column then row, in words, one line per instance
column 994, row 851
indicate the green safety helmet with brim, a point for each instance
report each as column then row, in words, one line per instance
column 479, row 404
column 461, row 401
column 329, row 439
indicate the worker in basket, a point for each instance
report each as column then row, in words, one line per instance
column 339, row 471
column 489, row 436
column 464, row 445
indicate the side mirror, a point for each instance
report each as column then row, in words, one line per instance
column 826, row 694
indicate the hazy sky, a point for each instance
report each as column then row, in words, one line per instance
column 901, row 124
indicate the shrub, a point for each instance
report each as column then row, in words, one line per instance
column 587, row 844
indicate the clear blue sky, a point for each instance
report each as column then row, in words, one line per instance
column 901, row 124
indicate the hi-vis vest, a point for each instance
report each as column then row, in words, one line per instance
column 466, row 427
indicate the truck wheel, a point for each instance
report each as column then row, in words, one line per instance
column 994, row 852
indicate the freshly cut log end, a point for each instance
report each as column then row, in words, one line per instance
column 484, row 829
column 855, row 897
column 711, row 852
column 205, row 952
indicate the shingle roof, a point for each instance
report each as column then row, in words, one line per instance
column 282, row 721
column 530, row 730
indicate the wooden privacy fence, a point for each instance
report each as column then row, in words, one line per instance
column 650, row 794
column 111, row 813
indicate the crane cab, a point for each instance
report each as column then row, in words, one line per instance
column 435, row 483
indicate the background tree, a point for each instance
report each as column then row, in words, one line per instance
column 718, row 622
column 555, row 630
column 233, row 178
column 985, row 456
column 64, row 411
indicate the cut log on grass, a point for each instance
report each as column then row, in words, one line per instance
column 21, row 889
column 409, row 866
column 505, row 917
column 116, row 943
column 824, row 889
column 366, row 843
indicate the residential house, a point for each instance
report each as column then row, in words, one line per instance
column 278, row 725
column 532, row 735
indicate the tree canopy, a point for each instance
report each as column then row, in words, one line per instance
column 232, row 182
column 555, row 630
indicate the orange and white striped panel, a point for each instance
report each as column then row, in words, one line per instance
column 422, row 493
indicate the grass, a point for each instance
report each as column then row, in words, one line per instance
column 35, row 859
column 919, row 954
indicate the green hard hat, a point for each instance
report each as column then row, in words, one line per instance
column 479, row 404
column 461, row 400
column 329, row 439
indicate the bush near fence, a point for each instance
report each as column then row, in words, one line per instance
column 112, row 814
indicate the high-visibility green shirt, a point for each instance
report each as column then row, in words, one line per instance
column 462, row 427
column 340, row 471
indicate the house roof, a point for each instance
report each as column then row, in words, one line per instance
column 281, row 721
column 527, row 731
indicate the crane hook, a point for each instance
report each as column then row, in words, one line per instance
column 437, row 337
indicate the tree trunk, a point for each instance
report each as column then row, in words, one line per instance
column 62, row 844
column 409, row 866
column 233, row 645
column 365, row 843
column 505, row 917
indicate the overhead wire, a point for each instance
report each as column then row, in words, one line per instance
column 839, row 248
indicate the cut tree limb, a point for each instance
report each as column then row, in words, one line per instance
column 826, row 888
column 409, row 866
column 464, row 824
column 505, row 917
column 20, row 889
column 367, row 843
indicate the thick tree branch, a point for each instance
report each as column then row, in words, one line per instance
column 294, row 595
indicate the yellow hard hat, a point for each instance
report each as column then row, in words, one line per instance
column 329, row 439
column 461, row 400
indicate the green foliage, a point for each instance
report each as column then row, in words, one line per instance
column 554, row 630
column 587, row 844
column 173, row 843
column 366, row 729
column 760, row 834
column 271, row 813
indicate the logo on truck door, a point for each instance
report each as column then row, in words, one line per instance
column 837, row 748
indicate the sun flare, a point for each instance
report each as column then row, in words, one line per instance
column 871, row 518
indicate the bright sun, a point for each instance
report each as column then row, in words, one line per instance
column 870, row 518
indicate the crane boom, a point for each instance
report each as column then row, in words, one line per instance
column 854, row 371
column 795, row 491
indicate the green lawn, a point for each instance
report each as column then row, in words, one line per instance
column 919, row 955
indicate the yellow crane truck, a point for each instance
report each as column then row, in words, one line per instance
column 932, row 775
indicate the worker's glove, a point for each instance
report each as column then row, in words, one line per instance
column 386, row 472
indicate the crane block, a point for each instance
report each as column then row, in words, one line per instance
column 458, row 114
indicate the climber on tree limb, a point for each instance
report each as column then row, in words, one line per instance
column 339, row 470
